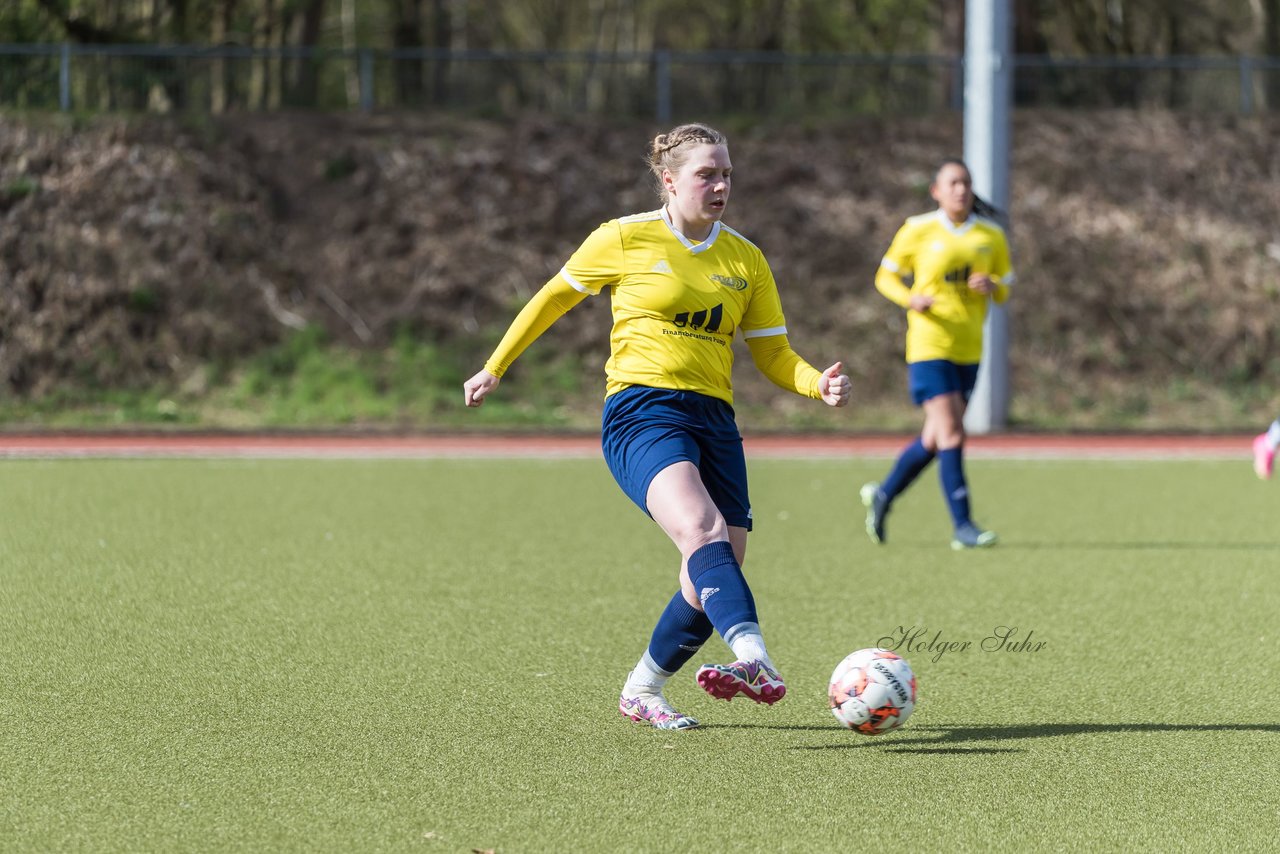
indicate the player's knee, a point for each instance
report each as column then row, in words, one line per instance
column 950, row 439
column 694, row 533
column 943, row 433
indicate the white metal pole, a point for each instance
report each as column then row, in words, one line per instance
column 988, row 95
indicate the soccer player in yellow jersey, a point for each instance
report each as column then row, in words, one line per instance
column 682, row 285
column 958, row 261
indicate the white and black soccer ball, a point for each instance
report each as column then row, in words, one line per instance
column 873, row 691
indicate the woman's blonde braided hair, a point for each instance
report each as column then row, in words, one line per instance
column 668, row 151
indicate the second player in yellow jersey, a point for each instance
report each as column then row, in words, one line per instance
column 957, row 261
column 941, row 256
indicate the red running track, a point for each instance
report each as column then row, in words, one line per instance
column 357, row 446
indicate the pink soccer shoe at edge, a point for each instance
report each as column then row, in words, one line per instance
column 1264, row 457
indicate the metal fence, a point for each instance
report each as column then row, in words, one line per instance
column 660, row 84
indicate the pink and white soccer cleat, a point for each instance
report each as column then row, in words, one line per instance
column 753, row 679
column 653, row 709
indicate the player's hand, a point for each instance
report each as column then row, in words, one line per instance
column 834, row 386
column 475, row 389
column 981, row 283
column 920, row 303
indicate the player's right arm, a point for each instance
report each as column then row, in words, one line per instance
column 897, row 263
column 548, row 305
column 596, row 263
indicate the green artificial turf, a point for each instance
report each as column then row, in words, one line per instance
column 426, row 656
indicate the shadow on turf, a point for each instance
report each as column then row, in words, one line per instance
column 1140, row 546
column 947, row 738
column 1151, row 546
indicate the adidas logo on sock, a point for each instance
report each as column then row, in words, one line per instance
column 707, row 593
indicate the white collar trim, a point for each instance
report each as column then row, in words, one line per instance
column 695, row 248
column 952, row 227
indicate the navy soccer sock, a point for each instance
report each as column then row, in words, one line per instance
column 954, row 488
column 681, row 631
column 913, row 460
column 721, row 587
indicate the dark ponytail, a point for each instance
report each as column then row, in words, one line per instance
column 983, row 208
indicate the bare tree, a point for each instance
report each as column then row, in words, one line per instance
column 406, row 34
column 350, row 41
column 1269, row 12
column 218, row 27
column 303, row 81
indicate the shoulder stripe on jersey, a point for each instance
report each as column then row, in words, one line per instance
column 889, row 264
column 574, row 283
column 764, row 333
column 647, row 216
column 920, row 218
column 991, row 223
column 738, row 235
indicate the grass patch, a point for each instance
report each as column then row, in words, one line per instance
column 309, row 381
column 334, row 656
column 21, row 187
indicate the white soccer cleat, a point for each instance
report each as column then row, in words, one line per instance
column 653, row 709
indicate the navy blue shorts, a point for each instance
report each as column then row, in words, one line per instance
column 938, row 376
column 643, row 430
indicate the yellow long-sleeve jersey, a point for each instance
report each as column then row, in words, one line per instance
column 940, row 256
column 676, row 306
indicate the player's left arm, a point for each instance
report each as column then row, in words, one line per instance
column 765, row 330
column 1002, row 277
column 785, row 368
column 995, row 282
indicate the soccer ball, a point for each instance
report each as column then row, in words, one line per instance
column 872, row 691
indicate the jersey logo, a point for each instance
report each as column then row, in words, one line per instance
column 958, row 276
column 661, row 267
column 731, row 282
column 707, row 321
